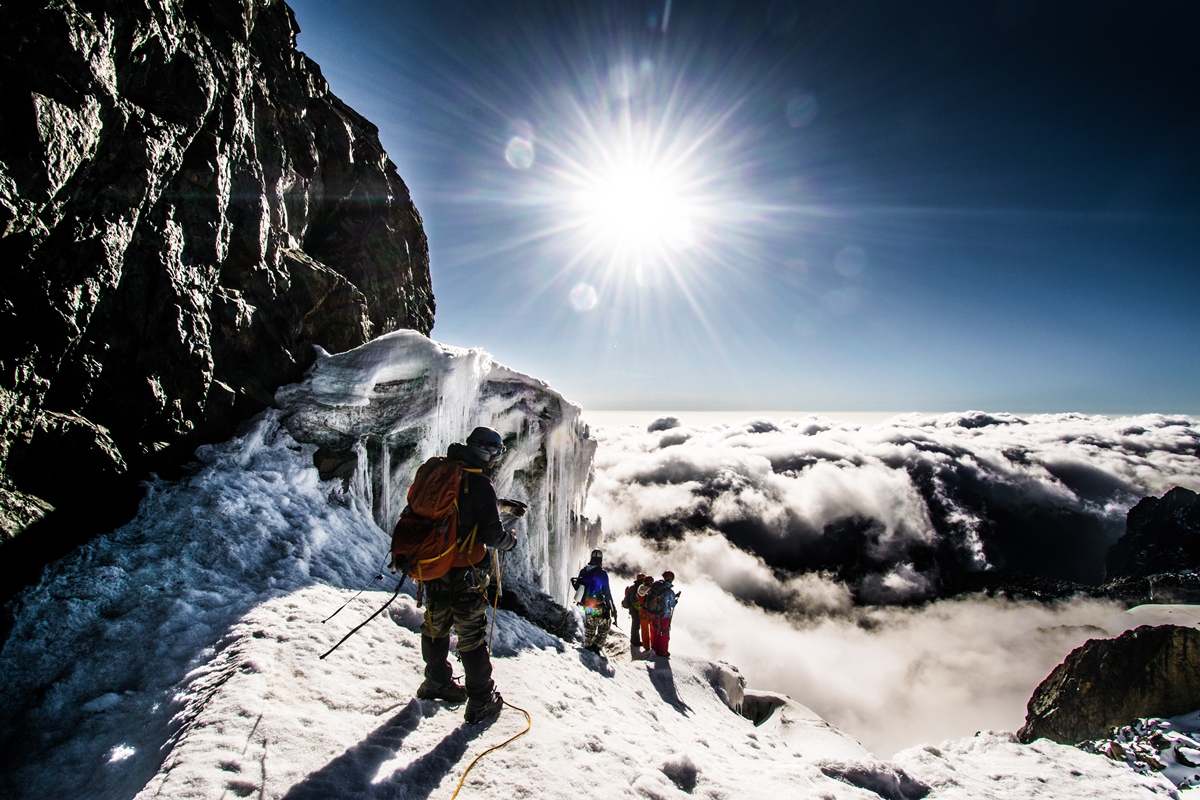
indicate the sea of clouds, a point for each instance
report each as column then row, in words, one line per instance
column 818, row 555
column 891, row 512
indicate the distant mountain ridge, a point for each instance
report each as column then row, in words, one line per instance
column 185, row 211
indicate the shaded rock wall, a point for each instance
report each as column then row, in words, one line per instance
column 185, row 210
column 1162, row 535
column 1146, row 672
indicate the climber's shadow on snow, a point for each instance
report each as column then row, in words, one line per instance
column 664, row 681
column 351, row 775
column 597, row 664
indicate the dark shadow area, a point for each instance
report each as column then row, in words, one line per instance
column 664, row 682
column 67, row 527
column 511, row 635
column 419, row 779
column 890, row 783
column 350, row 775
column 540, row 609
column 597, row 664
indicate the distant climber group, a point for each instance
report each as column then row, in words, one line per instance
column 650, row 604
column 441, row 540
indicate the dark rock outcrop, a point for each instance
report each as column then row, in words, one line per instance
column 1146, row 672
column 185, row 211
column 1162, row 535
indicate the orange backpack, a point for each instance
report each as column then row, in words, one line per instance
column 425, row 539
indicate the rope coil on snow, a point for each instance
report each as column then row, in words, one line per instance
column 506, row 742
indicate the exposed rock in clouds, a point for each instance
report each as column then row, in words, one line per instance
column 1146, row 672
column 917, row 507
column 1162, row 535
column 185, row 210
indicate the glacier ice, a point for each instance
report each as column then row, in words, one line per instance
column 403, row 398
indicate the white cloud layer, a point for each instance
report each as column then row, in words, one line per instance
column 745, row 514
column 904, row 508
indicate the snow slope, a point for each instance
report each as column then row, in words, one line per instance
column 100, row 650
column 272, row 720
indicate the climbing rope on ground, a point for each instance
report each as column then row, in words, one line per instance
column 505, row 743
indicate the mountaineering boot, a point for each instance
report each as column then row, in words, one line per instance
column 449, row 692
column 482, row 698
column 436, row 653
column 488, row 708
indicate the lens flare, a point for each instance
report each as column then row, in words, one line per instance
column 583, row 297
column 519, row 153
column 639, row 196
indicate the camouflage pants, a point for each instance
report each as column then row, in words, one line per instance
column 453, row 601
column 595, row 629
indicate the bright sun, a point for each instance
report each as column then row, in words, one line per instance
column 633, row 187
column 638, row 210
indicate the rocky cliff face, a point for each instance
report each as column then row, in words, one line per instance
column 185, row 210
column 1146, row 672
column 1162, row 535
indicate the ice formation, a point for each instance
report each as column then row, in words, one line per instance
column 402, row 398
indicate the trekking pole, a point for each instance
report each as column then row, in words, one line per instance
column 357, row 628
column 378, row 577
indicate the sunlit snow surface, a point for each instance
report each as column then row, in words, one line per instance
column 177, row 656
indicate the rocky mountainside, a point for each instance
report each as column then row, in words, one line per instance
column 185, row 211
column 1146, row 672
column 1162, row 535
column 1156, row 560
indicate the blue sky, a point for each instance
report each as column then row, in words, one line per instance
column 800, row 206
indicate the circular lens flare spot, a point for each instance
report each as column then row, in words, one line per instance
column 583, row 297
column 519, row 153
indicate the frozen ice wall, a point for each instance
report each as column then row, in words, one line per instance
column 378, row 411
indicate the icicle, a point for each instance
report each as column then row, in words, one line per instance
column 385, row 486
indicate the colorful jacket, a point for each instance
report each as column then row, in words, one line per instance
column 597, row 596
column 669, row 600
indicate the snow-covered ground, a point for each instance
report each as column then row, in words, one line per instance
column 178, row 656
column 269, row 719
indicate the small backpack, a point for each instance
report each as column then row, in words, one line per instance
column 655, row 600
column 425, row 539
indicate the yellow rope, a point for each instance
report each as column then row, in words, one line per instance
column 528, row 727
